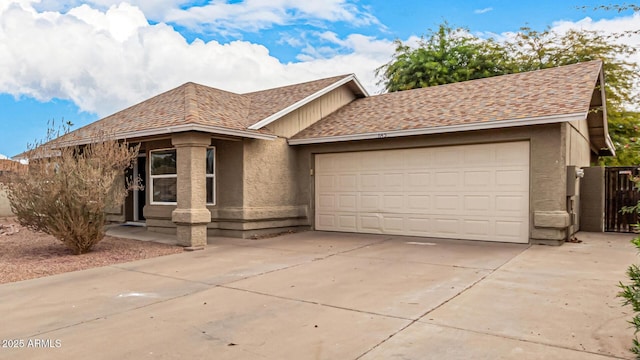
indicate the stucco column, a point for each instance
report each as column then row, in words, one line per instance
column 191, row 214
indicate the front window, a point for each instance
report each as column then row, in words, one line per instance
column 163, row 176
column 211, row 176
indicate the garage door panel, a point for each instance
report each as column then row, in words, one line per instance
column 417, row 181
column 348, row 222
column 369, row 223
column 512, row 204
column 446, row 226
column 389, row 161
column 447, row 179
column 347, row 182
column 326, row 202
column 326, row 182
column 513, row 178
column 479, row 155
column 346, row 162
column 474, row 203
column 393, row 181
column 478, row 192
column 509, row 229
column 418, row 203
column 369, row 182
column 393, row 202
column 478, row 178
column 512, row 153
column 326, row 222
column 348, row 202
column 393, row 224
column 477, row 227
column 418, row 225
column 422, row 160
column 446, row 203
column 370, row 203
column 447, row 157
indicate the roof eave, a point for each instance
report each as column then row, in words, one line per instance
column 177, row 129
column 268, row 120
column 605, row 121
column 444, row 129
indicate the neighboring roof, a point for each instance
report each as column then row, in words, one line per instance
column 10, row 166
column 536, row 97
column 194, row 107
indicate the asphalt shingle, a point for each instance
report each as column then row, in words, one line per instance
column 549, row 92
column 196, row 104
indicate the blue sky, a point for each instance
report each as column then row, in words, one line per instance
column 79, row 61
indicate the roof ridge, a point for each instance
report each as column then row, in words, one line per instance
column 191, row 110
column 298, row 84
column 492, row 78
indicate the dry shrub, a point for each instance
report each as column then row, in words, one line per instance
column 67, row 189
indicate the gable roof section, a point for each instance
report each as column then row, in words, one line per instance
column 289, row 98
column 194, row 107
column 537, row 97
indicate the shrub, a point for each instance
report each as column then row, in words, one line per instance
column 67, row 189
column 631, row 292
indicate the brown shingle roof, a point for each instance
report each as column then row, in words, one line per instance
column 194, row 104
column 537, row 94
column 268, row 102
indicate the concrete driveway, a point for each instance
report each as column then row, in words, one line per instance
column 318, row 295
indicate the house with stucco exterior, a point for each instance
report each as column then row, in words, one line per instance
column 495, row 159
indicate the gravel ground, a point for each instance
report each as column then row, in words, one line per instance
column 28, row 255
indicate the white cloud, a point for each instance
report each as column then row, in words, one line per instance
column 226, row 17
column 482, row 11
column 3, row 157
column 254, row 15
column 105, row 60
column 628, row 24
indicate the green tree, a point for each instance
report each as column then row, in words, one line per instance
column 533, row 50
column 452, row 55
column 444, row 56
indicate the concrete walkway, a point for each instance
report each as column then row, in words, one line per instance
column 321, row 295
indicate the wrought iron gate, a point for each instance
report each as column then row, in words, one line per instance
column 621, row 192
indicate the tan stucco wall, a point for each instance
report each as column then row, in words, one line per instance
column 227, row 212
column 270, row 197
column 255, row 190
column 266, row 186
column 5, row 208
column 547, row 173
column 302, row 118
column 578, row 153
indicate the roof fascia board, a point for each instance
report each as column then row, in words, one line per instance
column 177, row 129
column 202, row 128
column 444, row 129
column 605, row 122
column 268, row 120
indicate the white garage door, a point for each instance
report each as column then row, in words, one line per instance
column 476, row 192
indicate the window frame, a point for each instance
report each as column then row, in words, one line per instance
column 163, row 176
column 211, row 176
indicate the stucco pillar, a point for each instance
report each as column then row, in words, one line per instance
column 191, row 215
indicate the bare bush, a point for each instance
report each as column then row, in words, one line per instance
column 67, row 188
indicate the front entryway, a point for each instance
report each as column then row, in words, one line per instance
column 136, row 200
column 474, row 192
